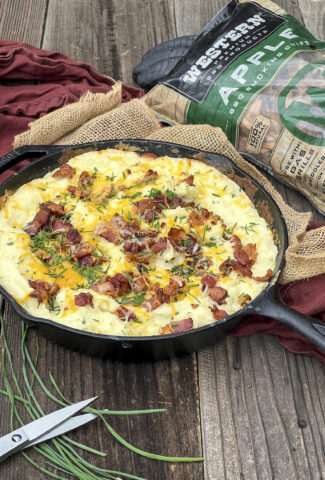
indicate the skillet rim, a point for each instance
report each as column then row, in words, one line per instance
column 248, row 309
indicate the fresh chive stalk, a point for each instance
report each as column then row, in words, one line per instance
column 60, row 453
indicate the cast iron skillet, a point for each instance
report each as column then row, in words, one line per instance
column 268, row 302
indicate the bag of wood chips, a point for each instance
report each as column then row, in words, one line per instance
column 257, row 73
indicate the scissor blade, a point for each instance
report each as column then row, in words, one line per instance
column 65, row 427
column 42, row 425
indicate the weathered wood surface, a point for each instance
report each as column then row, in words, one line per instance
column 244, row 401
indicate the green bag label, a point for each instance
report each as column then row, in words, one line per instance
column 257, row 73
column 246, row 27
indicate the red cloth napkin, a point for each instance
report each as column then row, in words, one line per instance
column 64, row 81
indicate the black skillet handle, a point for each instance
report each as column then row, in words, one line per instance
column 309, row 327
column 27, row 151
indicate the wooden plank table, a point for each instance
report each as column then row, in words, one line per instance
column 253, row 409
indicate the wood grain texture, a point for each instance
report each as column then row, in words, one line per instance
column 314, row 16
column 139, row 26
column 254, row 396
column 112, row 36
column 191, row 16
column 166, row 384
column 22, row 20
column 84, row 31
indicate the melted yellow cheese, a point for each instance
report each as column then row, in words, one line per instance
column 125, row 171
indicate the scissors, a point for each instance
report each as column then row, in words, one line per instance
column 44, row 428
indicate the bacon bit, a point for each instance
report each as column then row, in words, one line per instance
column 85, row 178
column 59, row 226
column 149, row 216
column 77, row 191
column 160, row 199
column 128, row 171
column 145, row 247
column 150, row 207
column 177, row 235
column 150, row 175
column 141, row 257
column 183, row 242
column 111, row 230
column 111, row 237
column 199, row 218
column 82, row 250
column 242, row 257
column 266, row 277
column 176, row 202
column 236, row 242
column 143, row 205
column 242, row 269
column 116, row 285
column 131, row 247
column 226, row 267
column 42, row 290
column 127, row 230
column 149, row 155
column 65, row 171
column 163, row 224
column 153, row 303
column 117, row 228
column 104, row 286
column 242, row 260
column 83, row 299
column 154, row 288
column 45, row 256
column 121, row 283
column 73, row 236
column 145, row 233
column 218, row 314
column 125, row 314
column 193, row 248
column 157, row 299
column 54, row 208
column 245, row 299
column 209, row 281
column 203, row 264
column 72, row 189
column 218, row 294
column 194, row 305
column 82, row 190
column 39, row 221
column 160, row 245
column 251, row 251
column 87, row 260
column 139, row 284
column 189, row 180
column 172, row 288
column 182, row 325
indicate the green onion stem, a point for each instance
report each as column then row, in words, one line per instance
column 60, row 453
column 47, row 472
column 148, row 454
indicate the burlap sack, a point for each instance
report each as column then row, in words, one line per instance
column 95, row 117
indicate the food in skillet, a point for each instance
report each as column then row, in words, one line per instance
column 117, row 243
